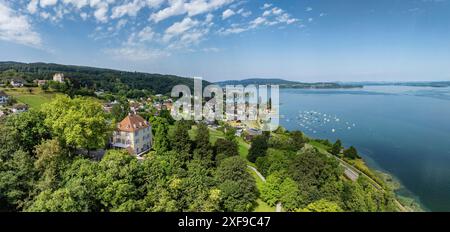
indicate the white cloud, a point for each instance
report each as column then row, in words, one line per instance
column 232, row 30
column 77, row 3
column 309, row 8
column 121, row 23
column 84, row 15
column 266, row 6
column 179, row 28
column 136, row 53
column 101, row 14
column 176, row 8
column 32, row 6
column 209, row 18
column 271, row 16
column 187, row 33
column 277, row 11
column 146, row 34
column 244, row 13
column 227, row 13
column 192, row 8
column 211, row 49
column 115, row 17
column 17, row 28
column 258, row 21
column 130, row 9
column 45, row 3
column 196, row 7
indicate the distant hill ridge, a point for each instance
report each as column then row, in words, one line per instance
column 95, row 78
column 287, row 84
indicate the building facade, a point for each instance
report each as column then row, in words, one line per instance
column 16, row 83
column 58, row 77
column 19, row 108
column 134, row 134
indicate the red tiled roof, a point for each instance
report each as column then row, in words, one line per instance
column 132, row 123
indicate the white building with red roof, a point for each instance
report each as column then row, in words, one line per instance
column 134, row 134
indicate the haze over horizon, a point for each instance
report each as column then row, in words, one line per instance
column 307, row 41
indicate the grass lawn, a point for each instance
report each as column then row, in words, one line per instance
column 34, row 99
column 321, row 147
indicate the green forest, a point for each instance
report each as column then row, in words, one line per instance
column 86, row 80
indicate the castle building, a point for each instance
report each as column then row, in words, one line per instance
column 58, row 77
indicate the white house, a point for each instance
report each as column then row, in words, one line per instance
column 3, row 98
column 16, row 83
column 58, row 77
column 134, row 134
column 19, row 108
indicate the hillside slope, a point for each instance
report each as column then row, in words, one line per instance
column 94, row 78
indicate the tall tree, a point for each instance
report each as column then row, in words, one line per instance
column 290, row 195
column 238, row 187
column 230, row 133
column 258, row 148
column 297, row 140
column 51, row 161
column 225, row 148
column 270, row 191
column 203, row 150
column 322, row 206
column 337, row 147
column 160, row 139
column 180, row 138
column 120, row 110
column 17, row 179
column 351, row 153
column 79, row 122
column 28, row 129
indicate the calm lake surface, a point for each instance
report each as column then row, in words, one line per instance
column 404, row 131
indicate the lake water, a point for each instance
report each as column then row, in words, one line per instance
column 404, row 131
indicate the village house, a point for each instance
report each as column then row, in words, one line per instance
column 3, row 98
column 107, row 107
column 17, row 83
column 168, row 105
column 40, row 82
column 136, row 106
column 58, row 77
column 133, row 134
column 251, row 133
column 19, row 108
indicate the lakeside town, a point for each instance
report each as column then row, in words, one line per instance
column 138, row 127
column 133, row 133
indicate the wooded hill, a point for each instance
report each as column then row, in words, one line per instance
column 94, row 78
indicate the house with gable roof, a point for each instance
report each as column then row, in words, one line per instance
column 134, row 134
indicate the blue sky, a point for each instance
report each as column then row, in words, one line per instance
column 315, row 40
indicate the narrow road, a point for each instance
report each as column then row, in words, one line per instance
column 257, row 173
column 279, row 207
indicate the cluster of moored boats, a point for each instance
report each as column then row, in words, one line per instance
column 313, row 121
